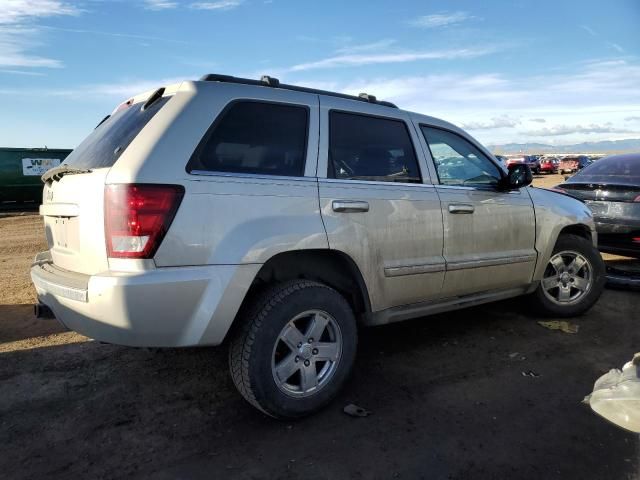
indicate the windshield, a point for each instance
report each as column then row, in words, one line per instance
column 110, row 138
column 622, row 170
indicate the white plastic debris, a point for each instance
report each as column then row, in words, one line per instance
column 616, row 396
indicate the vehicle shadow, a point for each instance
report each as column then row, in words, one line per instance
column 17, row 322
column 447, row 394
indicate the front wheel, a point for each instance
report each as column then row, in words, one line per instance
column 295, row 350
column 573, row 279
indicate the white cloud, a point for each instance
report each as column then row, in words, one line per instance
column 159, row 4
column 616, row 47
column 18, row 11
column 22, row 72
column 588, row 95
column 18, row 37
column 503, row 121
column 356, row 59
column 440, row 19
column 632, row 119
column 589, row 30
column 560, row 130
column 16, row 42
column 114, row 34
column 367, row 47
column 218, row 5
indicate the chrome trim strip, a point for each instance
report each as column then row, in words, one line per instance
column 59, row 290
column 478, row 189
column 374, row 182
column 415, row 310
column 489, row 262
column 414, row 269
column 252, row 176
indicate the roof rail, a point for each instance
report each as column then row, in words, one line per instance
column 267, row 81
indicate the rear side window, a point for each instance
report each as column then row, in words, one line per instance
column 255, row 137
column 371, row 148
column 111, row 138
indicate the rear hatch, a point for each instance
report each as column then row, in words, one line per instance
column 73, row 197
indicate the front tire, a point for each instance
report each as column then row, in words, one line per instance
column 573, row 279
column 295, row 349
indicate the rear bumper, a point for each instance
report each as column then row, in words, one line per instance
column 164, row 307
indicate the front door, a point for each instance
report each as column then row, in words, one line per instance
column 489, row 234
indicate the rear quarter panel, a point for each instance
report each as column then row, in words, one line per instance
column 224, row 218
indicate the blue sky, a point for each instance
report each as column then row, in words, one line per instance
column 555, row 72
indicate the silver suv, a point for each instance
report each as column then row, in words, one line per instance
column 279, row 218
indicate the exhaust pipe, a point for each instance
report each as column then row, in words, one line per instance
column 40, row 310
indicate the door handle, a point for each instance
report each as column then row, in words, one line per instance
column 461, row 208
column 350, row 206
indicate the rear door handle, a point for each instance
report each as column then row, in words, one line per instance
column 350, row 206
column 461, row 208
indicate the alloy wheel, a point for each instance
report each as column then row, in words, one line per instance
column 306, row 354
column 567, row 278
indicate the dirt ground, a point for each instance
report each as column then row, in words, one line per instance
column 448, row 396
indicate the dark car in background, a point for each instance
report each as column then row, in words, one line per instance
column 611, row 189
column 534, row 162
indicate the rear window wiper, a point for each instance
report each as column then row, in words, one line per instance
column 57, row 173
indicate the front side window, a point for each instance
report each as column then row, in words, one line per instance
column 257, row 138
column 371, row 148
column 458, row 161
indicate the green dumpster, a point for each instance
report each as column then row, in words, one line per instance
column 20, row 172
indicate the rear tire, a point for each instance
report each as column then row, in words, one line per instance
column 275, row 362
column 573, row 279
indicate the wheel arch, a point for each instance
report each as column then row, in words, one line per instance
column 331, row 267
column 578, row 229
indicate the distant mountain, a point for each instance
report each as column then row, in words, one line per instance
column 607, row 146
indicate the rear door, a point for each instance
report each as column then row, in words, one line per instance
column 377, row 201
column 73, row 203
column 489, row 235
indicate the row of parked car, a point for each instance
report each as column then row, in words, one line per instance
column 549, row 164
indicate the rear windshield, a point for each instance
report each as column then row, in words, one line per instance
column 620, row 170
column 106, row 143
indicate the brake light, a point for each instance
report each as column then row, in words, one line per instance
column 637, row 199
column 137, row 216
column 558, row 189
column 635, row 239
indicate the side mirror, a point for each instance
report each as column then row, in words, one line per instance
column 519, row 176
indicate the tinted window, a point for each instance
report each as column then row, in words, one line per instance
column 458, row 161
column 370, row 148
column 112, row 137
column 623, row 170
column 255, row 137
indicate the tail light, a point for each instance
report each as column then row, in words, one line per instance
column 137, row 216
column 637, row 199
